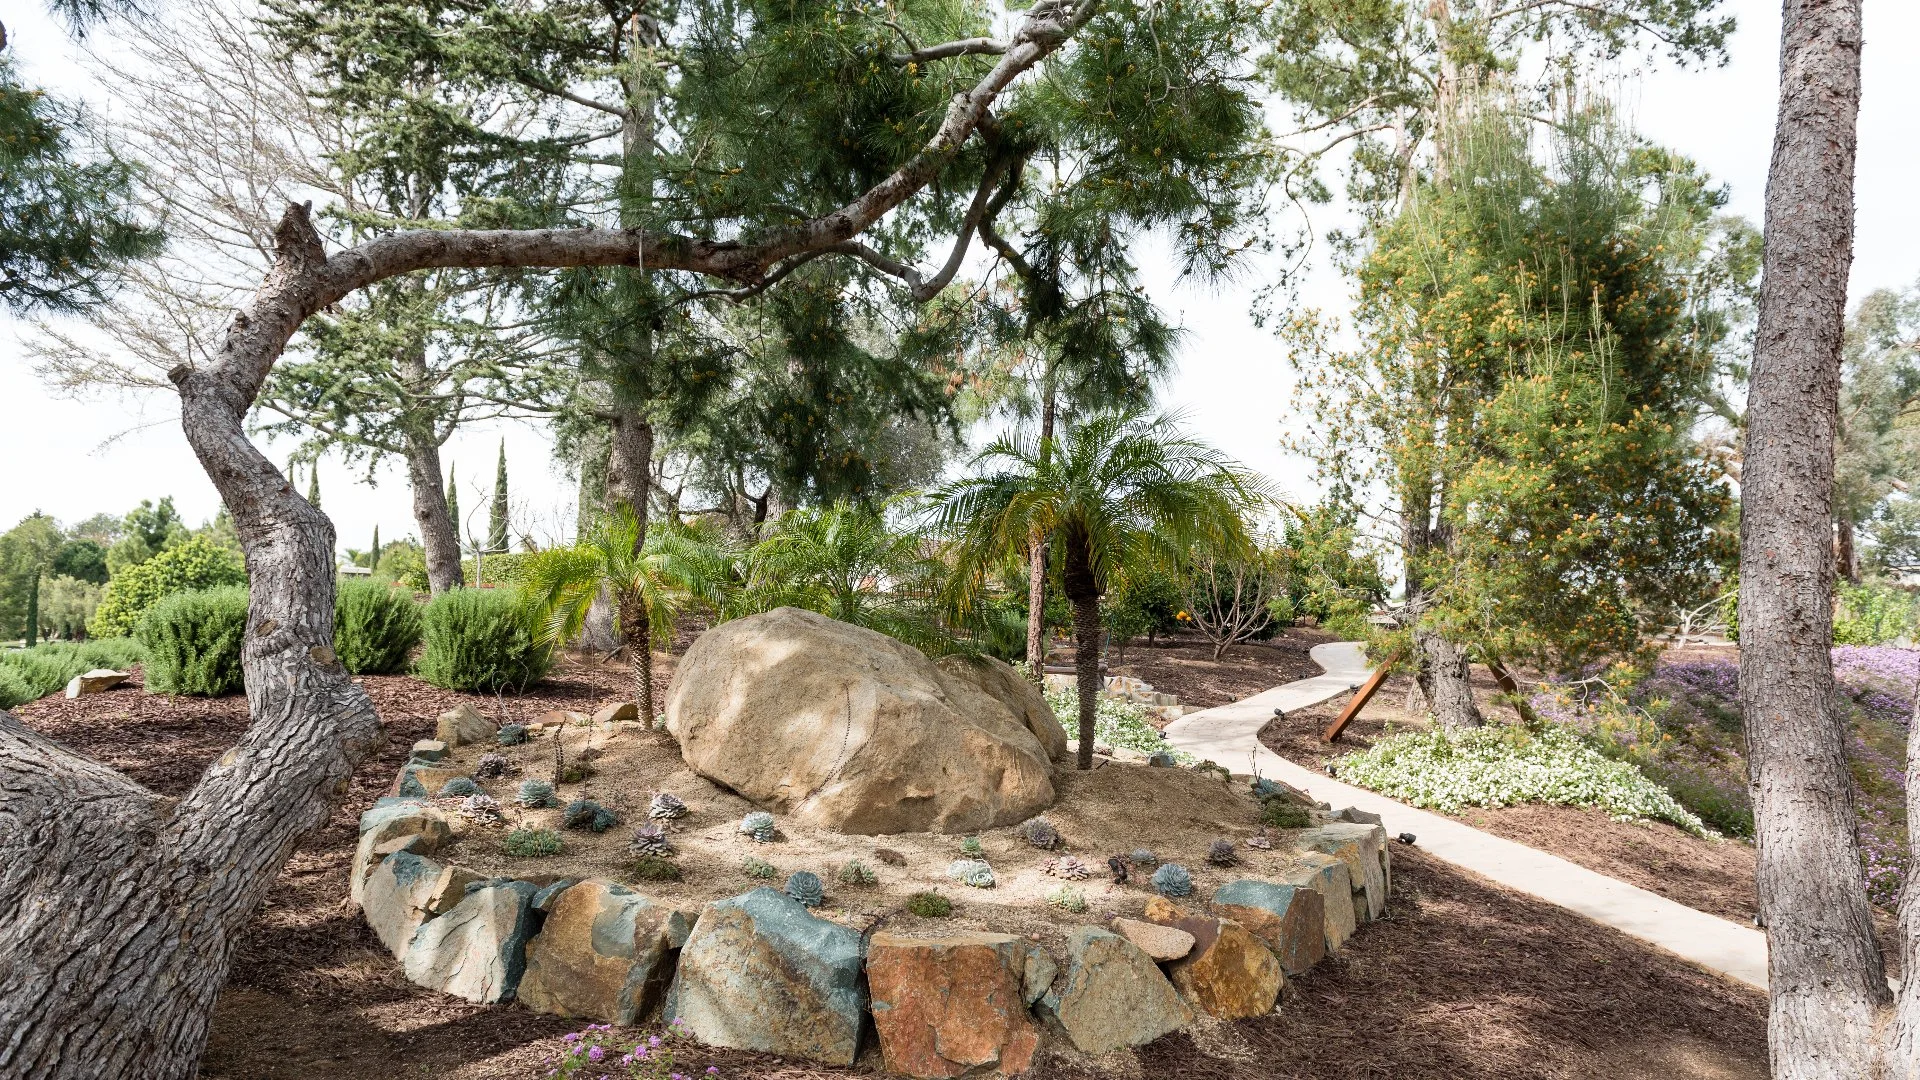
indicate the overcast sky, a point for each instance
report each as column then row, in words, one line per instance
column 73, row 459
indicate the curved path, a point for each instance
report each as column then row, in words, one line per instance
column 1229, row 735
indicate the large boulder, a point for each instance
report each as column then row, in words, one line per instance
column 1230, row 974
column 604, row 953
column 1000, row 681
column 1364, row 849
column 1114, row 995
column 1330, row 878
column 1291, row 919
column 848, row 729
column 477, row 950
column 405, row 891
column 951, row 1006
column 761, row 972
column 382, row 826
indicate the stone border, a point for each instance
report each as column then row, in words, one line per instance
column 760, row 972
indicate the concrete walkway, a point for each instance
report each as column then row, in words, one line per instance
column 1228, row 735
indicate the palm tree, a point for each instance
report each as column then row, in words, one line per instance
column 846, row 563
column 1119, row 489
column 651, row 582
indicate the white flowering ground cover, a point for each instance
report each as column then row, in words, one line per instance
column 1115, row 723
column 1505, row 766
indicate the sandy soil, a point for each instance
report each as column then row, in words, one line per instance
column 1183, row 665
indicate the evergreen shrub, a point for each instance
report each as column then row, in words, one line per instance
column 374, row 627
column 481, row 640
column 192, row 641
column 31, row 674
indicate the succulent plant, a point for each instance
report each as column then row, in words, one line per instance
column 929, row 905
column 533, row 843
column 1143, row 857
column 1117, row 868
column 1264, row 788
column 1173, row 880
column 492, row 765
column 1068, row 898
column 511, row 734
column 970, row 847
column 758, row 825
column 590, row 815
column 855, row 872
column 482, row 807
column 971, row 872
column 650, row 840
column 758, row 868
column 1284, row 813
column 458, row 788
column 535, row 794
column 1068, row 867
column 1040, row 833
column 666, row 807
column 806, row 887
column 1260, row 839
column 1221, row 853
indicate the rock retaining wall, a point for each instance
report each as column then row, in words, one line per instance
column 759, row 971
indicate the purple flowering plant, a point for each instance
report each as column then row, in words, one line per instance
column 600, row 1052
column 1680, row 722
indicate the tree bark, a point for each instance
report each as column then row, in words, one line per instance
column 1084, row 594
column 1446, row 680
column 118, row 923
column 437, row 534
column 1847, row 564
column 1828, row 996
column 1037, row 549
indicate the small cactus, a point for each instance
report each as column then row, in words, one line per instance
column 511, row 734
column 589, row 815
column 650, row 840
column 855, row 872
column 1117, row 868
column 1143, row 857
column 1264, row 788
column 1221, row 853
column 532, row 843
column 929, row 905
column 1040, row 833
column 1068, row 867
column 806, row 887
column 458, row 788
column 1283, row 813
column 482, row 807
column 971, row 872
column 1172, row 880
column 758, row 825
column 535, row 794
column 666, row 807
column 970, row 847
column 758, row 868
column 1068, row 898
column 491, row 765
column 654, row 868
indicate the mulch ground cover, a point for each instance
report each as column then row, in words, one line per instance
column 1183, row 665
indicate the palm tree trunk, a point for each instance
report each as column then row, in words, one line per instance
column 1084, row 594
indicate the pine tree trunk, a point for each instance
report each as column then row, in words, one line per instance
column 1827, row 987
column 430, row 513
column 1446, row 680
column 1847, row 562
column 117, row 924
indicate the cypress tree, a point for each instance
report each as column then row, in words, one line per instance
column 313, row 484
column 497, row 514
column 33, row 609
column 453, row 500
column 373, row 556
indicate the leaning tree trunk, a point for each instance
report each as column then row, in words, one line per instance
column 119, row 908
column 1446, row 679
column 437, row 533
column 1084, row 596
column 1828, row 997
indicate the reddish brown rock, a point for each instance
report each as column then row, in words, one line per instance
column 1291, row 919
column 1230, row 974
column 605, row 952
column 951, row 1006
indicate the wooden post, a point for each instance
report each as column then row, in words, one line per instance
column 1360, row 699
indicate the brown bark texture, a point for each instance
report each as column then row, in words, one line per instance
column 437, row 535
column 119, row 909
column 1829, row 1006
column 1083, row 593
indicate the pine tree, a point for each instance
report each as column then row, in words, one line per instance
column 497, row 514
